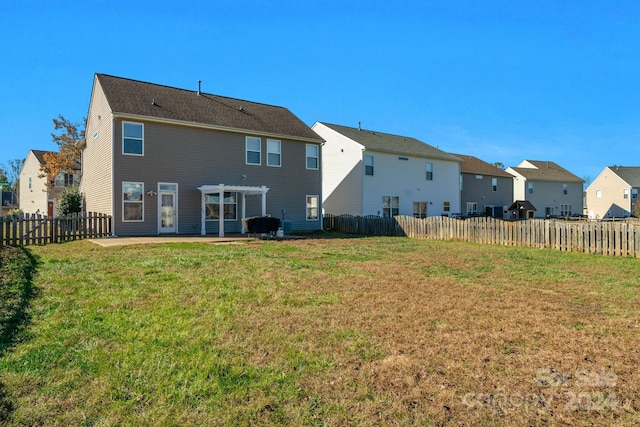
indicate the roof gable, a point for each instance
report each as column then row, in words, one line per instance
column 392, row 144
column 136, row 98
column 39, row 155
column 629, row 174
column 537, row 170
column 474, row 165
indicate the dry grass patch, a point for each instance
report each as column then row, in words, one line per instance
column 373, row 331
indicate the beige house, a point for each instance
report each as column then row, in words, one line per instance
column 553, row 190
column 34, row 195
column 613, row 193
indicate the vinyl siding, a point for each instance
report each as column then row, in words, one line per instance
column 96, row 182
column 612, row 203
column 407, row 180
column 192, row 157
column 480, row 191
column 342, row 171
column 32, row 200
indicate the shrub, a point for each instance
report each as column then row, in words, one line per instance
column 70, row 201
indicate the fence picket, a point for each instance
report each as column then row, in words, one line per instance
column 606, row 238
column 31, row 229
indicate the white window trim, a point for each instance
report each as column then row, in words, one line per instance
column 141, row 139
column 475, row 210
column 494, row 184
column 175, row 202
column 279, row 153
column 372, row 165
column 317, row 156
column 428, row 166
column 123, row 201
column 391, row 206
column 246, row 150
column 236, row 209
column 306, row 214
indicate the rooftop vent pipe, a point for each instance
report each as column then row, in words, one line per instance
column 199, row 92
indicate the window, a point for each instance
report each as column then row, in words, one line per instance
column 132, row 201
column 479, row 177
column 472, row 208
column 29, row 183
column 312, row 156
column 64, row 180
column 132, row 138
column 429, row 169
column 212, row 204
column 494, row 184
column 565, row 210
column 274, row 157
column 625, row 193
column 420, row 209
column 446, row 207
column 530, row 187
column 253, row 150
column 312, row 208
column 368, row 165
column 634, row 193
column 598, row 194
column 461, row 185
column 565, row 189
column 390, row 206
column 548, row 212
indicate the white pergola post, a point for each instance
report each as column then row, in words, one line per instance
column 221, row 211
column 203, row 215
column 244, row 211
column 219, row 190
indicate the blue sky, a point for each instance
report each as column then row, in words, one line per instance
column 500, row 80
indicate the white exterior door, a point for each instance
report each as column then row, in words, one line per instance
column 168, row 212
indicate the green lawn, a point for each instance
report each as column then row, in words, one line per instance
column 337, row 331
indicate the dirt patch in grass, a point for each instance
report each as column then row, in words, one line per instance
column 459, row 334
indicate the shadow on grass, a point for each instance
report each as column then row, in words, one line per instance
column 17, row 266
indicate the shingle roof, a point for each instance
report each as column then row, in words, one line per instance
column 546, row 171
column 474, row 165
column 126, row 96
column 629, row 174
column 393, row 144
column 524, row 205
column 40, row 155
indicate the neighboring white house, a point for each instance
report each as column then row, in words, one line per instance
column 553, row 190
column 613, row 193
column 35, row 197
column 374, row 173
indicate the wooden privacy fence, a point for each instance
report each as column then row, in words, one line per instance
column 32, row 229
column 597, row 237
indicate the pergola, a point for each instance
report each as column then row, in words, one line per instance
column 220, row 189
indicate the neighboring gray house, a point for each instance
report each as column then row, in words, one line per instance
column 484, row 188
column 614, row 192
column 375, row 173
column 553, row 190
column 166, row 160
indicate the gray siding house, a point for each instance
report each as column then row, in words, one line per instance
column 484, row 188
column 553, row 190
column 166, row 160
